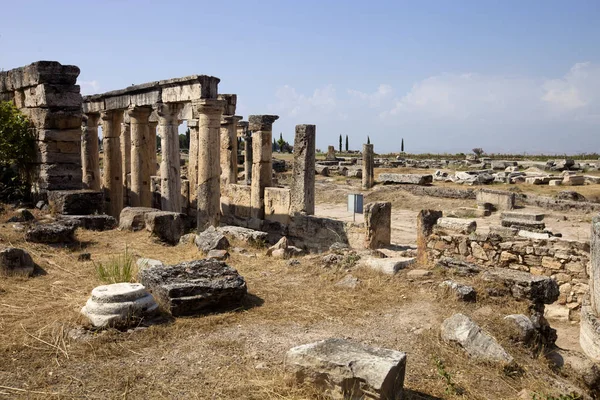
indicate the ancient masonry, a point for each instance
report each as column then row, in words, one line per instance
column 589, row 336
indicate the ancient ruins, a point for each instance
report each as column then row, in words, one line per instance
column 248, row 256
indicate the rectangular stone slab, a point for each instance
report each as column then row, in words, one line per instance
column 414, row 179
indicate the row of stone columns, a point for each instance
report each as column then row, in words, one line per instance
column 261, row 127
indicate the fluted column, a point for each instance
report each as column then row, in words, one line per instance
column 90, row 154
column 303, row 173
column 154, row 169
column 125, row 159
column 168, row 122
column 113, row 172
column 262, row 167
column 193, row 164
column 142, row 149
column 208, row 191
column 367, row 166
column 229, row 149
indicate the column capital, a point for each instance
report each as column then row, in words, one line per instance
column 262, row 122
column 90, row 120
column 192, row 123
column 230, row 120
column 139, row 113
column 168, row 113
column 209, row 106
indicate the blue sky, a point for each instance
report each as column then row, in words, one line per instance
column 447, row 76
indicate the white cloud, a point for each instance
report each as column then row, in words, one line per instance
column 89, row 87
column 376, row 99
column 291, row 103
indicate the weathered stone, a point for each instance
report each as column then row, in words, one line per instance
column 119, row 305
column 522, row 328
column 134, row 218
column 14, row 261
column 261, row 127
column 218, row 254
column 418, row 273
column 589, row 334
column 348, row 281
column 533, row 235
column 249, row 236
column 478, row 251
column 51, row 233
column 195, row 287
column 322, row 170
column 368, row 167
column 505, row 232
column 211, row 239
column 282, row 244
column 523, row 224
column 167, row 226
column 143, row 263
column 462, row 330
column 378, row 224
column 412, row 179
column 462, row 268
column 389, row 265
column 522, row 216
column 22, row 215
column 523, row 285
column 462, row 292
column 303, row 172
column 100, row 222
column 501, row 200
column 343, row 369
column 76, row 202
column 457, row 224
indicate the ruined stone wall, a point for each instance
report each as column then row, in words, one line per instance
column 565, row 261
column 46, row 92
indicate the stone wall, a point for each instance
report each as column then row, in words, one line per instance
column 278, row 204
column 565, row 261
column 46, row 92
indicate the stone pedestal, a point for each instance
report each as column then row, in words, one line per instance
column 367, row 167
column 90, row 155
column 262, row 168
column 303, row 174
column 113, row 172
column 126, row 160
column 590, row 322
column 168, row 122
column 208, row 192
column 143, row 151
column 228, row 153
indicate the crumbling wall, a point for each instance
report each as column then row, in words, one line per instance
column 46, row 92
column 278, row 204
column 565, row 261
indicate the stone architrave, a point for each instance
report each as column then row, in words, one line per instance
column 125, row 159
column 208, row 191
column 303, row 174
column 368, row 167
column 142, row 149
column 228, row 151
column 262, row 168
column 113, row 172
column 168, row 122
column 193, row 163
column 90, row 160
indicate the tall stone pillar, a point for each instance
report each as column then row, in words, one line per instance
column 113, row 172
column 262, row 167
column 168, row 123
column 247, row 136
column 142, row 150
column 303, row 173
column 228, row 153
column 367, row 167
column 125, row 159
column 90, row 160
column 193, row 164
column 208, row 192
column 153, row 142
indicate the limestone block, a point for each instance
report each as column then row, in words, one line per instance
column 59, row 135
column 322, row 170
column 51, row 233
column 523, row 329
column 589, row 334
column 457, row 224
column 277, row 204
column 523, row 285
column 378, row 224
column 76, row 202
column 134, row 218
column 44, row 118
column 413, row 179
column 523, row 216
column 167, row 226
column 58, row 177
column 119, row 305
column 14, row 261
column 573, row 180
column 303, row 171
column 533, row 235
column 501, row 200
column 182, row 93
column 523, row 224
column 238, row 203
column 343, row 369
column 195, row 287
column 595, row 265
column 505, row 232
column 462, row 292
column 249, row 236
column 389, row 266
column 462, row 330
column 99, row 222
column 51, row 95
column 211, row 239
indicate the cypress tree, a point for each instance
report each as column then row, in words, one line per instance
column 402, row 146
column 340, row 143
column 346, row 143
column 368, row 140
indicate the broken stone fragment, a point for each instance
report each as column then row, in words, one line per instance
column 14, row 261
column 343, row 369
column 211, row 239
column 462, row 292
column 51, row 233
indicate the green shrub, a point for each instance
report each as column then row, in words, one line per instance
column 17, row 141
column 120, row 268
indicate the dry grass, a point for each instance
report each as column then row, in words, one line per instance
column 235, row 354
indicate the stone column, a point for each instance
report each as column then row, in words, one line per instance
column 303, row 172
column 193, row 164
column 90, row 160
column 262, row 167
column 367, row 166
column 247, row 156
column 426, row 220
column 152, row 139
column 125, row 160
column 228, row 153
column 378, row 224
column 208, row 192
column 113, row 172
column 143, row 148
column 170, row 188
